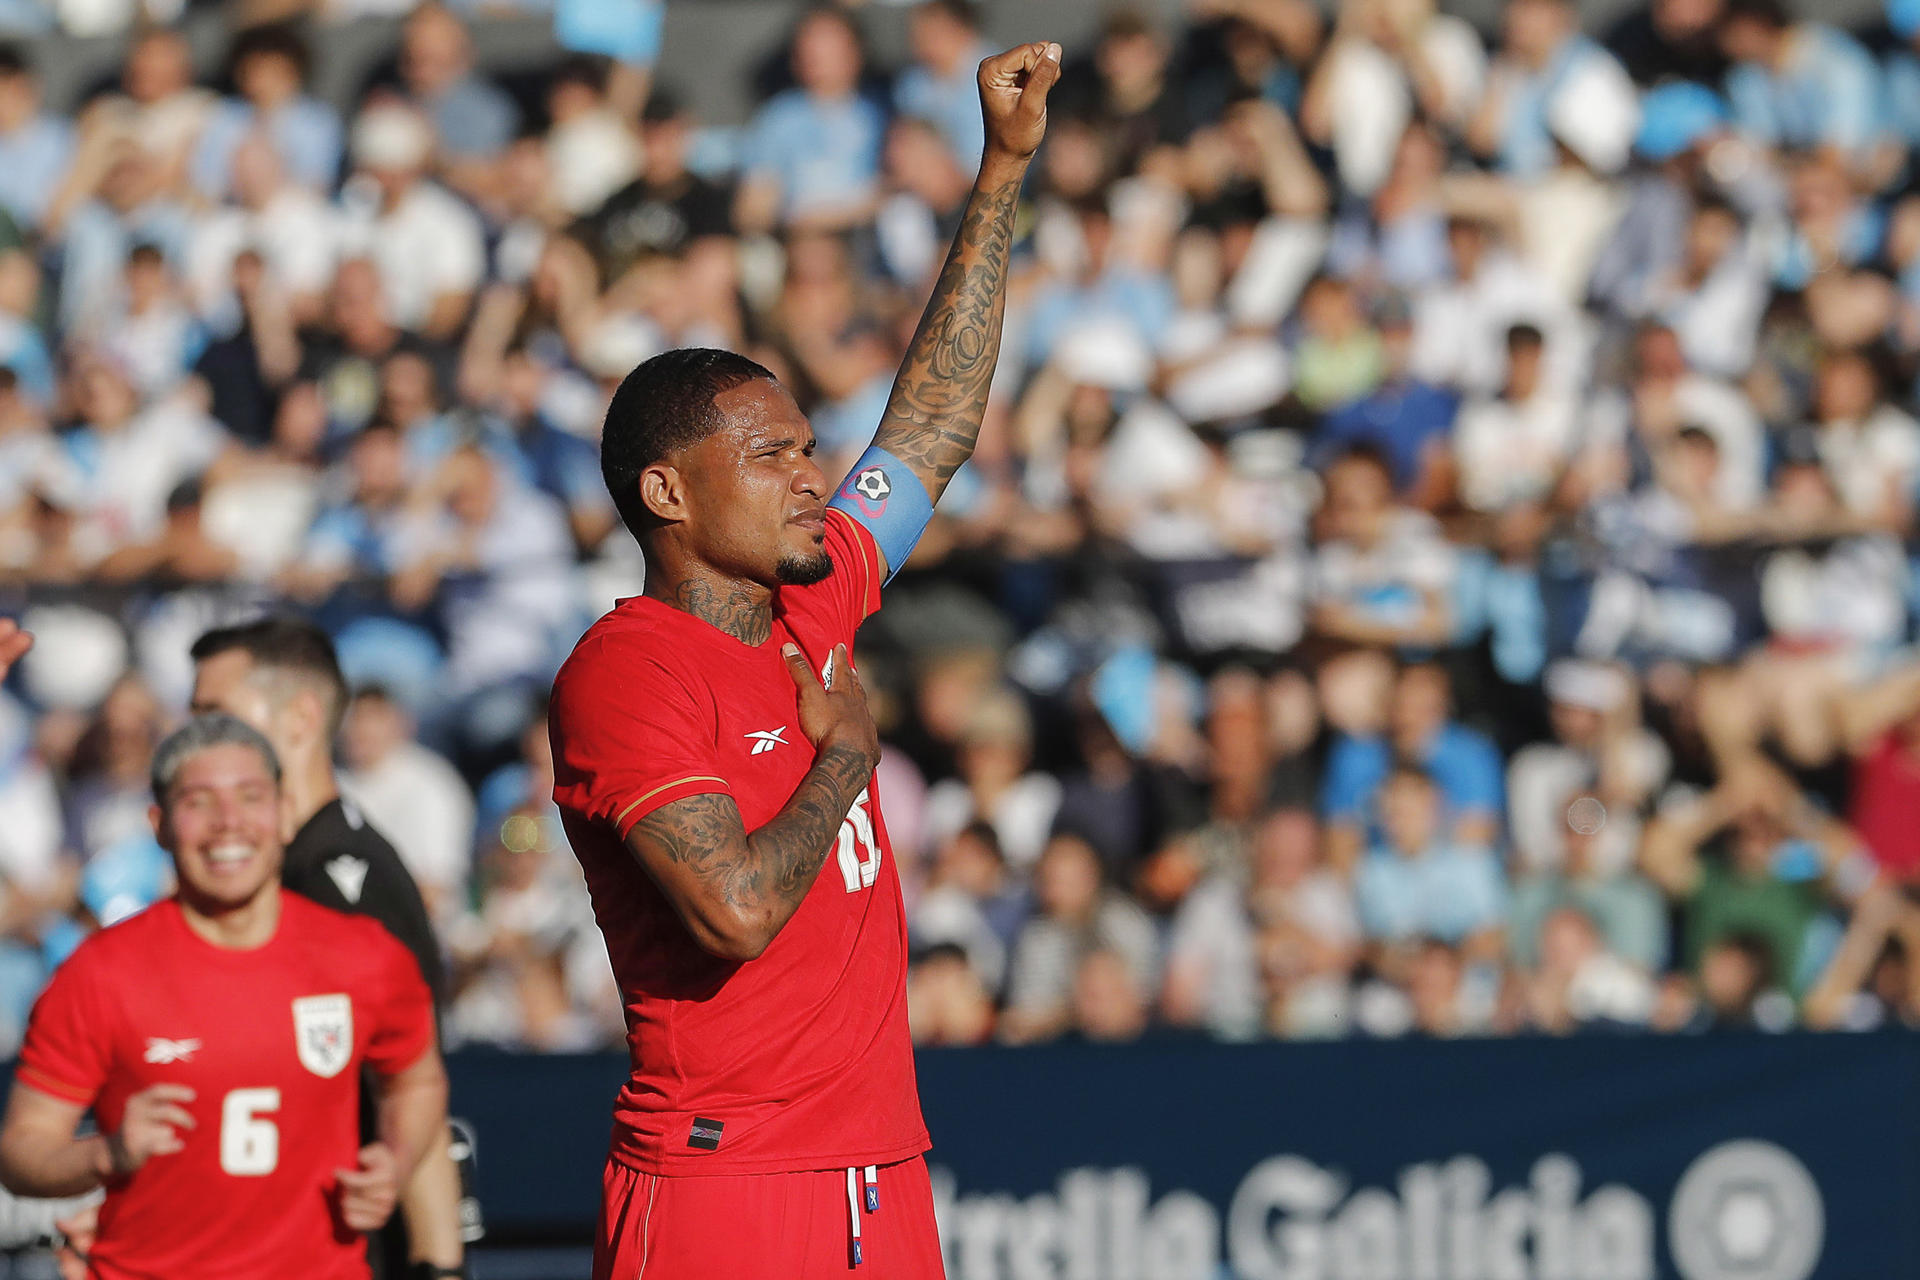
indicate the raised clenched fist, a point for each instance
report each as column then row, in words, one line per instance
column 1013, row 97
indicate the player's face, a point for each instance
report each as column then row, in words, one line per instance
column 757, row 496
column 221, row 821
column 223, row 683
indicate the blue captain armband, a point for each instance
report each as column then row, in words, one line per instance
column 882, row 494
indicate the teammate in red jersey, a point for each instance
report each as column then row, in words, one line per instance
column 217, row 1037
column 713, row 761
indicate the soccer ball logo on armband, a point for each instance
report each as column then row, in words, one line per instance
column 872, row 488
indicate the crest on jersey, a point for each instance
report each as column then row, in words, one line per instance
column 323, row 1033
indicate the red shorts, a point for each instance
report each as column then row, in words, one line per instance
column 768, row 1226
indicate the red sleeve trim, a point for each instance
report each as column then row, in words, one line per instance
column 870, row 567
column 664, row 794
column 54, row 1087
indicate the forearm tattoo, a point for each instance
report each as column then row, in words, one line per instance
column 766, row 873
column 933, row 416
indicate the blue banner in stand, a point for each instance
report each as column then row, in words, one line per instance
column 1722, row 1158
column 1603, row 1158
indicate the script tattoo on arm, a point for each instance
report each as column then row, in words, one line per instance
column 933, row 417
column 736, row 890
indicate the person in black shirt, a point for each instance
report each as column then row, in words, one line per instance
column 666, row 208
column 281, row 676
column 1670, row 40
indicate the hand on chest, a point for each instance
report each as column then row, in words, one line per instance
column 764, row 756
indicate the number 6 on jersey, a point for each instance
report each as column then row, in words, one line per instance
column 249, row 1144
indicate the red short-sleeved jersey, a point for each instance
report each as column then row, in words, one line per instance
column 799, row 1059
column 271, row 1041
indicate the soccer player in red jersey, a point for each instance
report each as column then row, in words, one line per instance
column 217, row 1037
column 714, row 759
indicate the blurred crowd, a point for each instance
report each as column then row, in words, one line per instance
column 1441, row 558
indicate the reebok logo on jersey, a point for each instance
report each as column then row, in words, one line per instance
column 163, row 1051
column 706, row 1134
column 765, row 740
column 349, row 875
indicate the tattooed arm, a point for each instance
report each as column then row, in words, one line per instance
column 933, row 416
column 734, row 889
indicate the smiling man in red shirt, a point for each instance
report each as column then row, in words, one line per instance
column 217, row 1037
column 713, row 760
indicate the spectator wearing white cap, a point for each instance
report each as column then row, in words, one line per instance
column 426, row 243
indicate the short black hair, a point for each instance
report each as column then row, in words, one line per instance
column 964, row 12
column 283, row 642
column 663, row 104
column 1769, row 13
column 1365, row 454
column 14, row 60
column 664, row 405
column 1412, row 770
column 583, row 69
column 1525, row 334
column 275, row 40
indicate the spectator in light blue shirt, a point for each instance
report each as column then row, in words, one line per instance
column 269, row 69
column 1798, row 84
column 473, row 120
column 1107, row 294
column 812, row 153
column 1902, row 72
column 941, row 85
column 1543, row 51
column 1415, row 883
column 1464, row 765
column 35, row 149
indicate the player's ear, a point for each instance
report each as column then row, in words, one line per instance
column 309, row 715
column 158, row 818
column 663, row 491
